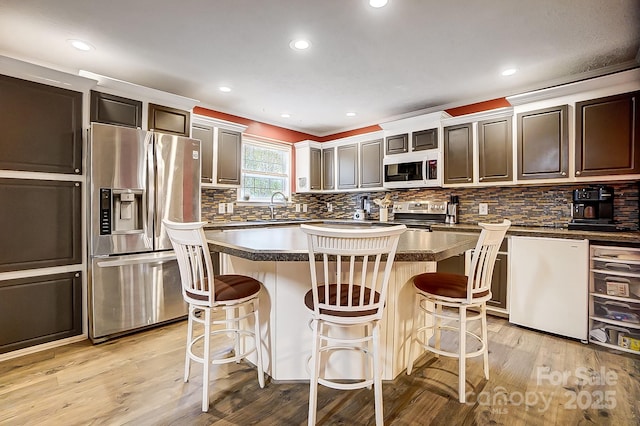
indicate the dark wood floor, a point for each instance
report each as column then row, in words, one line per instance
column 137, row 380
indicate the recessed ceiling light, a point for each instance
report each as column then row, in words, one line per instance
column 300, row 44
column 377, row 3
column 224, row 89
column 351, row 114
column 80, row 45
column 509, row 71
column 285, row 115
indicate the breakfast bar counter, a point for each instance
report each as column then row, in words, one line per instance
column 277, row 257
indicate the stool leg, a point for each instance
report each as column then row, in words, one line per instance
column 206, row 361
column 187, row 358
column 413, row 343
column 377, row 376
column 438, row 326
column 485, row 340
column 462, row 348
column 315, row 370
column 258, row 342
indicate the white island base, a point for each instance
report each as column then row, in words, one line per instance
column 285, row 319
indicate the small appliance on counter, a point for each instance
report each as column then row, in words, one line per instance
column 363, row 209
column 592, row 209
column 452, row 210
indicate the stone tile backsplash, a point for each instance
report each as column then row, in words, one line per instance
column 523, row 205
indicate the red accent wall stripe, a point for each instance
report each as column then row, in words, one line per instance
column 477, row 107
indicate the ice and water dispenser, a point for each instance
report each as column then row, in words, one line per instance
column 121, row 211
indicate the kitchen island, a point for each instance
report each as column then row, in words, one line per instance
column 277, row 256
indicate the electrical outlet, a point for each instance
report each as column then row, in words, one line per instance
column 229, row 207
column 483, row 209
column 304, row 208
column 221, row 208
column 298, row 208
column 329, row 207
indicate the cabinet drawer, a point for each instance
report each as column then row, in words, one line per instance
column 628, row 312
column 616, row 285
column 615, row 265
column 618, row 254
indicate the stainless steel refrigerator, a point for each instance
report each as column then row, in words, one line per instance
column 137, row 178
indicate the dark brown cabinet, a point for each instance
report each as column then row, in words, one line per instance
column 543, row 143
column 169, row 120
column 328, row 168
column 494, row 150
column 316, row 168
column 371, row 164
column 205, row 135
column 229, row 157
column 424, row 139
column 347, row 166
column 40, row 224
column 458, row 154
column 608, row 136
column 111, row 109
column 40, row 309
column 397, row 144
column 41, row 127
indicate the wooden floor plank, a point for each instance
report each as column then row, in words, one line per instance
column 137, row 380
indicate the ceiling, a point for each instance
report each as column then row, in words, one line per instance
column 409, row 57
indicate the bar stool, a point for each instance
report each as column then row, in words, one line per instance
column 444, row 296
column 206, row 294
column 346, row 301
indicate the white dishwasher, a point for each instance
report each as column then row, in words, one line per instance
column 549, row 285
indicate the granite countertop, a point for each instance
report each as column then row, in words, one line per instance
column 288, row 243
column 619, row 237
column 622, row 237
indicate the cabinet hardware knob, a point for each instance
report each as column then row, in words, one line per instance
column 480, row 179
column 577, row 172
column 468, row 179
column 563, row 173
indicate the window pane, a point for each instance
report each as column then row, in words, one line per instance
column 265, row 170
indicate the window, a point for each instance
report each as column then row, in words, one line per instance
column 265, row 169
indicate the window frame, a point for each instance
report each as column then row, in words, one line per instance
column 270, row 144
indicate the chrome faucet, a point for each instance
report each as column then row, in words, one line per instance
column 272, row 205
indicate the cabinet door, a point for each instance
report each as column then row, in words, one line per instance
column 425, row 139
column 41, row 127
column 499, row 283
column 348, row 166
column 37, row 310
column 543, row 143
column 608, row 136
column 328, row 168
column 40, row 224
column 397, row 144
column 316, row 168
column 495, row 150
column 229, row 153
column 169, row 120
column 458, row 154
column 371, row 164
column 111, row 109
column 205, row 134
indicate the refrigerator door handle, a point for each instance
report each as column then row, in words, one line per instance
column 151, row 189
column 137, row 260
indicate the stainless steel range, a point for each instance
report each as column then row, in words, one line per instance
column 420, row 214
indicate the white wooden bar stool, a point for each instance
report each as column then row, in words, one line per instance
column 444, row 299
column 346, row 301
column 206, row 293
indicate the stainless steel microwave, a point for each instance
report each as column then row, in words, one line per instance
column 412, row 170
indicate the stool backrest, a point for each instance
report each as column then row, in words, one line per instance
column 360, row 261
column 484, row 257
column 194, row 261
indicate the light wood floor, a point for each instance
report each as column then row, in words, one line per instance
column 137, row 380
